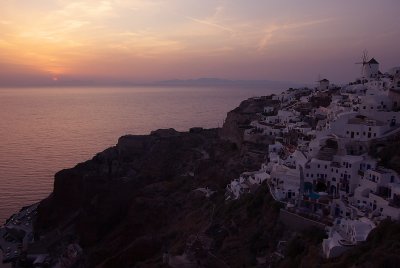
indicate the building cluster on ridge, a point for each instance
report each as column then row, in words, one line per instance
column 319, row 164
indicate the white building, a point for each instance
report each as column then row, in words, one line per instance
column 268, row 128
column 323, row 84
column 358, row 127
column 285, row 97
column 377, row 192
column 245, row 183
column 268, row 109
column 344, row 235
column 275, row 148
column 283, row 117
column 285, row 182
column 375, row 101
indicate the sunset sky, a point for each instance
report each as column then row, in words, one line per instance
column 148, row 40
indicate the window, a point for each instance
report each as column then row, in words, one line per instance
column 319, row 165
column 326, row 166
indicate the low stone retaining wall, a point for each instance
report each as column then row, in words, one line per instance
column 297, row 222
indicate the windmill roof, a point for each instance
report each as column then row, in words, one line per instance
column 373, row 61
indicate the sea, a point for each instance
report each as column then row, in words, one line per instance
column 44, row 130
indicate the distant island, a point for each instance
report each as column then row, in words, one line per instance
column 226, row 82
column 196, row 82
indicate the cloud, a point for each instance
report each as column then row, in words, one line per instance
column 142, row 43
column 210, row 22
column 270, row 31
column 215, row 20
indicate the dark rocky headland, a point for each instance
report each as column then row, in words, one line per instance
column 136, row 205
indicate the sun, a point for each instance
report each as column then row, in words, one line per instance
column 55, row 78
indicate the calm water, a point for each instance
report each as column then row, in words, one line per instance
column 45, row 130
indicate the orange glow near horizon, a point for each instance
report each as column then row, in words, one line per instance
column 159, row 39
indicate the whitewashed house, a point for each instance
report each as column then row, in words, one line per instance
column 358, row 127
column 283, row 117
column 377, row 192
column 269, row 109
column 285, row 182
column 344, row 235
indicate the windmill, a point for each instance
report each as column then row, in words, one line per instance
column 322, row 83
column 364, row 62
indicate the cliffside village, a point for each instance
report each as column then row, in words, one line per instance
column 320, row 166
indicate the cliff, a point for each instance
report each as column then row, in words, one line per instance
column 135, row 201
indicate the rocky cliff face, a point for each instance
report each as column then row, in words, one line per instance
column 240, row 118
column 135, row 201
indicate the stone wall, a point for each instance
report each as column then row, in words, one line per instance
column 298, row 223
